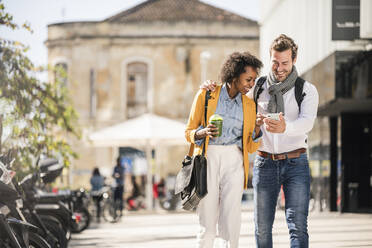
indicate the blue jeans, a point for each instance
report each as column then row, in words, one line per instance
column 118, row 196
column 268, row 176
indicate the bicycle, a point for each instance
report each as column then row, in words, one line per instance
column 110, row 209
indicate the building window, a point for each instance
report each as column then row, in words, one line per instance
column 137, row 88
column 60, row 74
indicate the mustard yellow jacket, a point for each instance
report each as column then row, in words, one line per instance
column 196, row 119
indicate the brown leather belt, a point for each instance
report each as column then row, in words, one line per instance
column 281, row 156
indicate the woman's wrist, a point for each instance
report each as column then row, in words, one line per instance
column 257, row 128
column 199, row 134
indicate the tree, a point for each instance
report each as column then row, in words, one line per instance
column 35, row 117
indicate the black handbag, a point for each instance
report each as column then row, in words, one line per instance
column 191, row 180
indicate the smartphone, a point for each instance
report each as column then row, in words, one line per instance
column 273, row 116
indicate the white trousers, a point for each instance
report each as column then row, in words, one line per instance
column 222, row 205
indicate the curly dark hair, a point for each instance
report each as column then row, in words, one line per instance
column 236, row 63
column 283, row 43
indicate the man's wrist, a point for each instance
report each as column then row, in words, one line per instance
column 284, row 128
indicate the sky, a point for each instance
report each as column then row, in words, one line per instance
column 40, row 13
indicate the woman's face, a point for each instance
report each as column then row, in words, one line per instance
column 246, row 80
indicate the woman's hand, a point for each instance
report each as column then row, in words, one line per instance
column 211, row 131
column 260, row 119
column 208, row 85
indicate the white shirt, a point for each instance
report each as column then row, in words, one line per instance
column 297, row 125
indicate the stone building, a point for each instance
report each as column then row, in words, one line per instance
column 150, row 58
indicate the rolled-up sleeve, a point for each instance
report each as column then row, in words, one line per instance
column 258, row 137
column 195, row 117
column 199, row 142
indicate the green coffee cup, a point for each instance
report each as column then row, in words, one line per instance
column 217, row 120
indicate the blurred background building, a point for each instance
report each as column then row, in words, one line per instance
column 335, row 54
column 148, row 59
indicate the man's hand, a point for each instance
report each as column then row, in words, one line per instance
column 208, row 85
column 211, row 131
column 275, row 126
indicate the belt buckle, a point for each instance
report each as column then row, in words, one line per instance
column 273, row 157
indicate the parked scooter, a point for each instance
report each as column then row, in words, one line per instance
column 15, row 231
column 51, row 228
column 51, row 204
column 77, row 201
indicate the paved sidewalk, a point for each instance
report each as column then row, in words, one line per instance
column 163, row 230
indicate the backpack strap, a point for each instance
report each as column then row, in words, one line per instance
column 258, row 89
column 299, row 94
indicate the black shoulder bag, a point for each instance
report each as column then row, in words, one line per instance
column 191, row 181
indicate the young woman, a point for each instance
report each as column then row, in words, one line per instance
column 227, row 155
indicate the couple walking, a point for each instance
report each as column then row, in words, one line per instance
column 245, row 101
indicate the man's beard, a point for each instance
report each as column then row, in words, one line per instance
column 281, row 77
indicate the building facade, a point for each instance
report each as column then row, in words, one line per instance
column 150, row 58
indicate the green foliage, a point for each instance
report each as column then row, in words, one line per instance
column 35, row 117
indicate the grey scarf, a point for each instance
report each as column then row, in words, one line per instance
column 277, row 90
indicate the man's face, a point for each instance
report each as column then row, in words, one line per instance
column 281, row 64
column 246, row 80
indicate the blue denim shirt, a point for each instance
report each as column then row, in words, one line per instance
column 96, row 182
column 231, row 110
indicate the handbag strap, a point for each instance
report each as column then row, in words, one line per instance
column 207, row 96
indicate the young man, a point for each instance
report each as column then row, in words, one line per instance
column 282, row 157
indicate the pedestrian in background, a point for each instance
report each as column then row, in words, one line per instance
column 97, row 182
column 118, row 175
